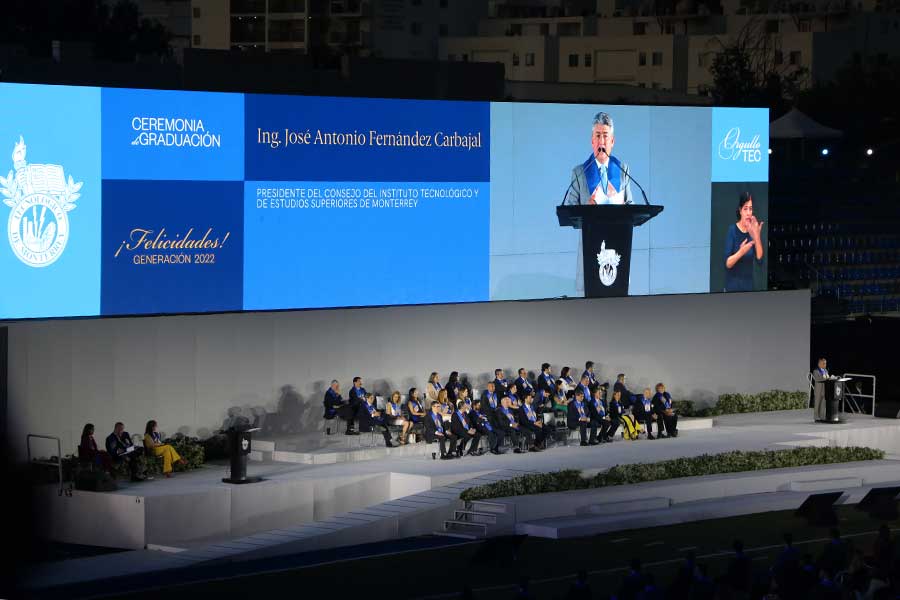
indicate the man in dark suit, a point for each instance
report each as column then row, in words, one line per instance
column 336, row 406
column 578, row 417
column 464, row 430
column 600, row 415
column 120, row 447
column 485, row 427
column 512, row 392
column 357, row 395
column 531, row 424
column 644, row 413
column 546, row 382
column 509, row 424
column 490, row 403
column 372, row 418
column 589, row 373
column 609, row 415
column 434, row 432
column 585, row 386
column 501, row 385
column 523, row 384
column 627, row 398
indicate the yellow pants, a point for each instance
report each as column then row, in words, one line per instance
column 169, row 456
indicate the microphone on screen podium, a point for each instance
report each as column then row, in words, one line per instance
column 627, row 173
column 566, row 195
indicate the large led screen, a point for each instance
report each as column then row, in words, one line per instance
column 123, row 201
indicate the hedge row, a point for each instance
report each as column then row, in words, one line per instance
column 729, row 404
column 705, row 464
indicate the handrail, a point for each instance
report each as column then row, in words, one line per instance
column 859, row 395
column 57, row 464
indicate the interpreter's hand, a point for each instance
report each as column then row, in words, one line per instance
column 746, row 245
column 755, row 229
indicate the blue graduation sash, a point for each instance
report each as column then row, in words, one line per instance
column 592, row 174
column 646, row 405
column 462, row 418
column 438, row 422
column 492, row 399
column 580, row 407
column 529, row 412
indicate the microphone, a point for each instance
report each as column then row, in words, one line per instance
column 566, row 195
column 627, row 173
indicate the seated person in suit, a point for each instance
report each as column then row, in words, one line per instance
column 417, row 413
column 532, row 423
column 566, row 375
column 644, row 413
column 543, row 403
column 501, row 385
column 523, row 384
column 546, row 382
column 435, row 432
column 464, row 430
column 485, row 427
column 627, row 398
column 154, row 446
column 578, row 417
column 665, row 412
column 357, row 396
column 120, row 448
column 600, row 415
column 88, row 452
column 589, row 373
column 336, row 406
column 561, row 399
column 508, row 423
column 585, row 386
column 395, row 416
column 433, row 387
column 452, row 387
column 371, row 418
column 463, row 394
column 615, row 410
column 490, row 402
column 513, row 394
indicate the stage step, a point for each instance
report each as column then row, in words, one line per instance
column 475, row 517
column 455, row 526
column 821, row 485
column 484, row 506
column 462, row 536
column 621, row 508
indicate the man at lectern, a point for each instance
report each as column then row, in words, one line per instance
column 602, row 178
column 820, row 375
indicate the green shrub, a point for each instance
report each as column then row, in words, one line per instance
column 729, row 404
column 705, row 464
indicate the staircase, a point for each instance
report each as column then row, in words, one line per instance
column 479, row 519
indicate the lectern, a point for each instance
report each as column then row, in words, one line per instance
column 834, row 390
column 239, row 449
column 606, row 232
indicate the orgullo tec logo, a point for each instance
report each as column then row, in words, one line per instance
column 40, row 197
column 732, row 147
column 608, row 261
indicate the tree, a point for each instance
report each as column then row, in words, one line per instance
column 750, row 70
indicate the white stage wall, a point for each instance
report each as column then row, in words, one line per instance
column 187, row 371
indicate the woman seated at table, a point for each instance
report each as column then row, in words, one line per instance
column 395, row 417
column 88, row 452
column 153, row 445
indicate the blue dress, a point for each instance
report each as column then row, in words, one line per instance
column 739, row 278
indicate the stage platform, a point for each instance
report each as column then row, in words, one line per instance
column 374, row 494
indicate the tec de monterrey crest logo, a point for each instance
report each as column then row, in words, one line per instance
column 39, row 196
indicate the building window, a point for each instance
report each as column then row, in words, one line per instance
column 196, row 40
column 795, row 57
column 573, row 60
column 642, row 59
column 779, row 57
column 245, row 30
column 196, row 12
column 443, row 30
column 515, row 59
column 639, row 28
column 657, row 59
column 294, row 30
column 772, row 26
column 415, row 28
column 670, row 28
column 515, row 29
column 247, row 6
column 587, row 59
column 529, row 59
column 804, row 25
column 287, row 6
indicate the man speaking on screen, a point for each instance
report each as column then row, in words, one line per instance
column 602, row 178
